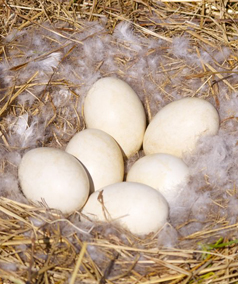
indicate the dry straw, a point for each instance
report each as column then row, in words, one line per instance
column 34, row 245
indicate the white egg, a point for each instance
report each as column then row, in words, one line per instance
column 164, row 172
column 112, row 106
column 137, row 207
column 100, row 154
column 54, row 176
column 176, row 128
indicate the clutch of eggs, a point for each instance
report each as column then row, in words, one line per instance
column 116, row 122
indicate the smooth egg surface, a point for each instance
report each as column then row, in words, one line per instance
column 164, row 172
column 100, row 154
column 137, row 207
column 112, row 106
column 176, row 128
column 54, row 176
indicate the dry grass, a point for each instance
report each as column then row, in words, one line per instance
column 33, row 242
column 34, row 245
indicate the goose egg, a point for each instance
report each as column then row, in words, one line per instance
column 161, row 171
column 112, row 106
column 54, row 176
column 137, row 207
column 176, row 128
column 100, row 154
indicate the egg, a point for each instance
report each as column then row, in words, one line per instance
column 100, row 154
column 164, row 172
column 111, row 105
column 54, row 176
column 176, row 128
column 137, row 207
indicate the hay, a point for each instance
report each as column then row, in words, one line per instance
column 39, row 245
column 34, row 248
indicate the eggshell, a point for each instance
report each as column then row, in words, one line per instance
column 137, row 207
column 100, row 154
column 176, row 128
column 54, row 176
column 164, row 172
column 112, row 106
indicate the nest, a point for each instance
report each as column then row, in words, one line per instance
column 40, row 245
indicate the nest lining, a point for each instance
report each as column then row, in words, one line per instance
column 165, row 51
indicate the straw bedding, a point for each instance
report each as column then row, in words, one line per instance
column 51, row 53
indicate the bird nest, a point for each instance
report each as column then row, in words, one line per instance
column 51, row 54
